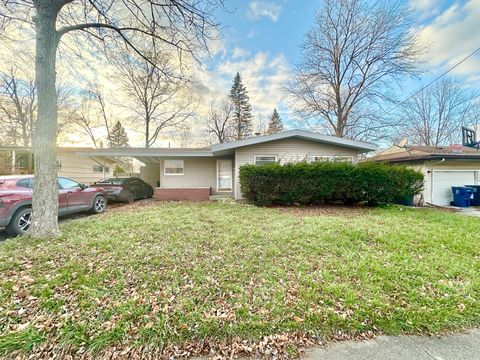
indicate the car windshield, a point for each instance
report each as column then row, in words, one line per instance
column 113, row 181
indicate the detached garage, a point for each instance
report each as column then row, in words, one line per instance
column 442, row 166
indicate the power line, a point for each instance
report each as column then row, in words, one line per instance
column 436, row 79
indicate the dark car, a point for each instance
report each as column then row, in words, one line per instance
column 125, row 189
column 16, row 200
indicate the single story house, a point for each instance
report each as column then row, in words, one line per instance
column 199, row 173
column 84, row 169
column 442, row 167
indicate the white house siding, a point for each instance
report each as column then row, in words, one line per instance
column 80, row 168
column 288, row 150
column 198, row 172
column 150, row 174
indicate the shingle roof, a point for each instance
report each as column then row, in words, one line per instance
column 418, row 153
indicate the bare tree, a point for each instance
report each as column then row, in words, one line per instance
column 19, row 104
column 352, row 56
column 183, row 25
column 157, row 94
column 435, row 115
column 220, row 121
column 182, row 135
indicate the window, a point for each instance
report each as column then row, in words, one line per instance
column 173, row 167
column 66, row 183
column 332, row 158
column 100, row 168
column 264, row 159
column 25, row 183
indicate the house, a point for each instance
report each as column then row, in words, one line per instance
column 442, row 167
column 198, row 173
column 84, row 169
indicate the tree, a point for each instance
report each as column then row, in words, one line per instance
column 351, row 57
column 435, row 115
column 183, row 25
column 158, row 94
column 220, row 121
column 118, row 136
column 275, row 124
column 242, row 111
column 182, row 135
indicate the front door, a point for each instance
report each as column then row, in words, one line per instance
column 224, row 176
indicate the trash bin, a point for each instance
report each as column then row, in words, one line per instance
column 406, row 201
column 475, row 201
column 462, row 196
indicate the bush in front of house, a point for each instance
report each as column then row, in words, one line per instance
column 312, row 183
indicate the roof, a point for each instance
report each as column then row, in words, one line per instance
column 399, row 154
column 221, row 149
column 146, row 155
column 149, row 155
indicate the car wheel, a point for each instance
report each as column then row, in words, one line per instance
column 20, row 222
column 130, row 197
column 99, row 204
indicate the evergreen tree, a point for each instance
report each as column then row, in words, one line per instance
column 275, row 124
column 118, row 136
column 242, row 114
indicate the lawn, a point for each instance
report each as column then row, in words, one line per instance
column 181, row 279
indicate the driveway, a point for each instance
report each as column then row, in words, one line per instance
column 449, row 347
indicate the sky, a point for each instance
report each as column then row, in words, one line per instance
column 261, row 40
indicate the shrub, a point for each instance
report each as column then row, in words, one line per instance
column 310, row 183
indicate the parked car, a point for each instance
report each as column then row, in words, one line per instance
column 125, row 189
column 16, row 200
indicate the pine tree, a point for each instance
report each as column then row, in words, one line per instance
column 275, row 124
column 242, row 114
column 118, row 136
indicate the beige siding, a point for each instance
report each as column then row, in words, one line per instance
column 289, row 150
column 150, row 174
column 80, row 168
column 198, row 172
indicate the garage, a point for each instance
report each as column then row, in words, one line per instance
column 442, row 167
column 443, row 180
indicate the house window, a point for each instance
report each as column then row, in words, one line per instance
column 332, row 158
column 173, row 167
column 264, row 159
column 100, row 168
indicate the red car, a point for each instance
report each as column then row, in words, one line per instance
column 16, row 200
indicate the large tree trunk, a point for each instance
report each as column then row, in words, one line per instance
column 45, row 191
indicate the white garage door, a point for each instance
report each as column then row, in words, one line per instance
column 443, row 182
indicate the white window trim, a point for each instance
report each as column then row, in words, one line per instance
column 231, row 177
column 255, row 158
column 311, row 157
column 165, row 168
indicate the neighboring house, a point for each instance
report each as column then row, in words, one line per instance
column 442, row 166
column 84, row 169
column 198, row 173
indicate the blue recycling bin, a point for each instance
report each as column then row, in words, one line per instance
column 475, row 201
column 462, row 196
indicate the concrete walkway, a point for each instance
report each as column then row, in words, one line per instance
column 452, row 347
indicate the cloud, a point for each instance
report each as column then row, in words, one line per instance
column 239, row 53
column 451, row 36
column 259, row 9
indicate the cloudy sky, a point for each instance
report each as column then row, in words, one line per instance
column 261, row 38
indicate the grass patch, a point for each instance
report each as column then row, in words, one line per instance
column 177, row 274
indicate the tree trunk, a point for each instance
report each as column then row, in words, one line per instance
column 45, row 191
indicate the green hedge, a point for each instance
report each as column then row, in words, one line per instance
column 311, row 183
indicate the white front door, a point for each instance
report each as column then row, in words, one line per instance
column 224, row 175
column 442, row 183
